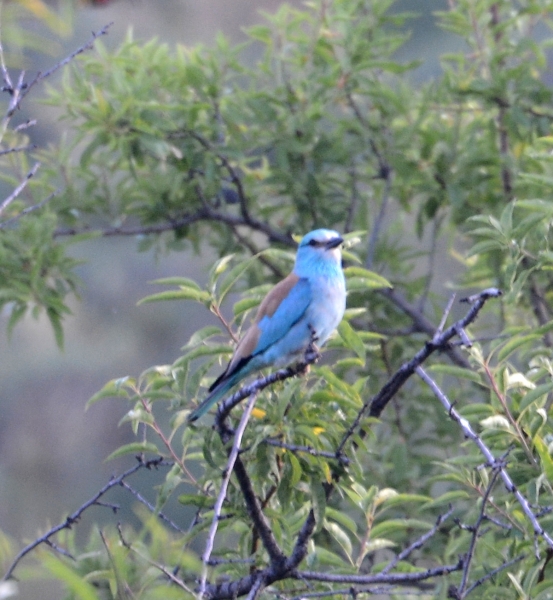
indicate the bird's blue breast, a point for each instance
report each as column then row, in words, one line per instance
column 317, row 305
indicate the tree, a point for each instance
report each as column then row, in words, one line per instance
column 353, row 479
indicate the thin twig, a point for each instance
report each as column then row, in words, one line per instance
column 151, row 507
column 76, row 516
column 40, row 76
column 307, row 449
column 445, row 316
column 475, row 532
column 420, row 322
column 19, row 188
column 403, row 578
column 375, row 405
column 490, row 458
column 28, row 210
column 418, row 543
column 233, row 455
column 494, row 572
column 18, row 149
column 169, row 573
column 262, row 382
column 377, row 226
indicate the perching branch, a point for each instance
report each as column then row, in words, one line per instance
column 281, row 567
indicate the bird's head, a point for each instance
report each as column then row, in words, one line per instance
column 318, row 248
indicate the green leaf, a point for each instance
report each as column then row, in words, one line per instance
column 326, row 557
column 296, row 470
column 183, row 282
column 219, row 268
column 318, row 502
column 358, row 278
column 134, row 448
column 341, row 537
column 232, row 277
column 514, row 344
column 544, row 328
column 335, row 381
column 80, row 588
column 533, row 395
column 352, row 339
column 484, row 247
column 244, row 305
column 182, row 294
column 458, row 372
column 447, row 498
column 201, row 335
column 116, row 388
column 546, row 460
column 340, row 517
column 385, row 528
column 195, row 500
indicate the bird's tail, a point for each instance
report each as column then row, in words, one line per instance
column 221, row 389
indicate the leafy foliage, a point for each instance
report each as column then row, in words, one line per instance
column 190, row 149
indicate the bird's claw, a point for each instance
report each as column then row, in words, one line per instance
column 312, row 353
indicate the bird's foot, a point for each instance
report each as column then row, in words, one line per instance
column 312, row 353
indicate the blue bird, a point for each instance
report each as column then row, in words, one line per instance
column 302, row 309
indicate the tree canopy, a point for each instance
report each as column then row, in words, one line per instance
column 416, row 458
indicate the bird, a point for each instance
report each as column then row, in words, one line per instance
column 300, row 311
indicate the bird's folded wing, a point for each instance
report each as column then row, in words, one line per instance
column 280, row 310
column 285, row 307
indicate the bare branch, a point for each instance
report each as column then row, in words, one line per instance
column 151, row 507
column 40, row 76
column 393, row 578
column 469, row 433
column 261, row 383
column 169, row 573
column 475, row 531
column 378, row 222
column 76, row 516
column 494, row 572
column 28, row 210
column 19, row 188
column 418, row 543
column 18, row 149
column 375, row 405
column 205, row 213
column 308, row 450
column 233, row 455
column 420, row 322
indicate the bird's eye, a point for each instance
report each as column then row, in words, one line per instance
column 313, row 243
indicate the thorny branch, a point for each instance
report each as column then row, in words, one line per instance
column 19, row 188
column 26, row 211
column 75, row 517
column 17, row 92
column 375, row 405
column 488, row 455
column 21, row 89
column 280, row 565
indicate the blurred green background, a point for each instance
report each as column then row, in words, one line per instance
column 52, row 452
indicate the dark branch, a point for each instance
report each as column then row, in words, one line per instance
column 377, row 403
column 76, row 516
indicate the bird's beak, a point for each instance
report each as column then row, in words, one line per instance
column 334, row 243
